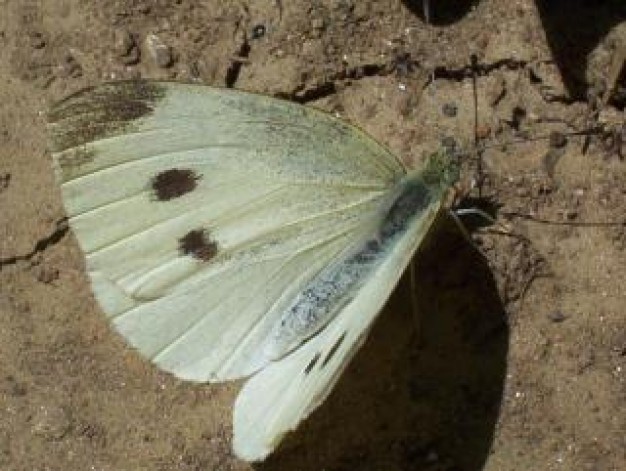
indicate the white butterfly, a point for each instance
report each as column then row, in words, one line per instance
column 229, row 234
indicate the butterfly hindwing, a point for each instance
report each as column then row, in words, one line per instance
column 279, row 397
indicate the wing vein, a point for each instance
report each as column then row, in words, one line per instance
column 272, row 276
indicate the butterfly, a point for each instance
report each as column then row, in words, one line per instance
column 229, row 234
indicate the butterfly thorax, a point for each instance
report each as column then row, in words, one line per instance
column 442, row 170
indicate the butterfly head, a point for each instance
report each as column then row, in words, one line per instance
column 442, row 169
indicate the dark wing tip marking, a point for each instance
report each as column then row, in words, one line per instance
column 312, row 363
column 174, row 183
column 74, row 159
column 333, row 350
column 198, row 244
column 103, row 111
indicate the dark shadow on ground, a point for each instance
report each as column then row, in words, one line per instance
column 573, row 29
column 417, row 402
column 442, row 12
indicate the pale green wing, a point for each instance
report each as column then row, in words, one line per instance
column 202, row 212
column 275, row 400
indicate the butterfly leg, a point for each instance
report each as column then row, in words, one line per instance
column 456, row 217
column 479, row 212
column 457, row 220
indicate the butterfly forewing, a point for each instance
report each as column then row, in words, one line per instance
column 201, row 210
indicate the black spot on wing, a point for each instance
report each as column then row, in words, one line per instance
column 333, row 350
column 100, row 112
column 198, row 244
column 312, row 363
column 174, row 183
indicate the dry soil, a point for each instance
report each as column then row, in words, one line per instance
column 520, row 360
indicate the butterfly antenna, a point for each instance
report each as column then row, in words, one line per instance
column 475, row 211
column 500, row 229
column 477, row 148
column 462, row 229
column 478, row 152
column 592, row 131
column 550, row 222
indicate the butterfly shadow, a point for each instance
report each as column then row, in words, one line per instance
column 414, row 398
column 441, row 12
column 573, row 29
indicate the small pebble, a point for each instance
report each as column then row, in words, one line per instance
column 37, row 40
column 69, row 67
column 15, row 387
column 450, row 110
column 144, row 7
column 518, row 114
column 317, row 23
column 51, row 423
column 557, row 140
column 133, row 57
column 449, row 144
column 585, row 360
column 5, row 179
column 483, row 131
column 403, row 65
column 160, row 52
column 556, row 316
column 258, row 31
column 550, row 160
column 126, row 48
column 194, row 70
column 46, row 275
column 123, row 42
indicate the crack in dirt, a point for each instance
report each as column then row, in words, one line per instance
column 397, row 65
column 42, row 244
column 232, row 74
column 329, row 86
column 476, row 69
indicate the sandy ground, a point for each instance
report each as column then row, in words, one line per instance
column 520, row 361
